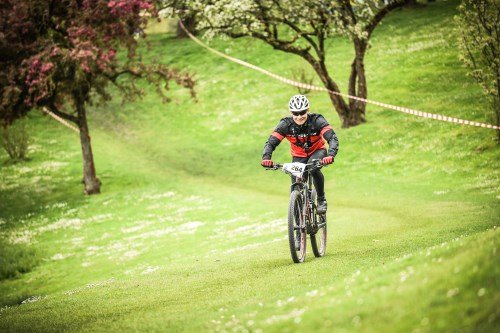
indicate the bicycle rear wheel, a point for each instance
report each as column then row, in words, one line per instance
column 296, row 227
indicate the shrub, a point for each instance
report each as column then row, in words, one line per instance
column 15, row 139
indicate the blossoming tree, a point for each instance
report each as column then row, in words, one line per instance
column 300, row 28
column 63, row 55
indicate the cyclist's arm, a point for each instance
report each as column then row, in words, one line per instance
column 333, row 142
column 329, row 135
column 274, row 140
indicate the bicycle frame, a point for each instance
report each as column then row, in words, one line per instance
column 309, row 219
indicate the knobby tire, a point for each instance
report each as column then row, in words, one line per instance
column 295, row 217
column 318, row 239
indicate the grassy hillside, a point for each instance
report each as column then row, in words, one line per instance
column 189, row 233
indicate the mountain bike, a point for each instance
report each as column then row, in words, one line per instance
column 303, row 217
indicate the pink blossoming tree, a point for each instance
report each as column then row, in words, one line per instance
column 64, row 54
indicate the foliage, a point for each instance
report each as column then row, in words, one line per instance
column 15, row 139
column 53, row 51
column 301, row 75
column 479, row 43
column 301, row 28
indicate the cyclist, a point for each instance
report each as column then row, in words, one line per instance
column 307, row 133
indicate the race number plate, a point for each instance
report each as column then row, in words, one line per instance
column 295, row 169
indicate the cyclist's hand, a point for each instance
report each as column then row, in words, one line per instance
column 267, row 163
column 327, row 160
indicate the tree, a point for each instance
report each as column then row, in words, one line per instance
column 479, row 43
column 300, row 28
column 64, row 55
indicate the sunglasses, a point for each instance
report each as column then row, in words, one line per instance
column 301, row 113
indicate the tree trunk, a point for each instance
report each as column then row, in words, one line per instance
column 349, row 117
column 90, row 181
column 496, row 107
column 357, row 84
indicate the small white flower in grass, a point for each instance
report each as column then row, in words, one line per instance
column 150, row 269
column 86, row 264
column 481, row 292
column 21, row 237
column 297, row 320
column 131, row 254
column 250, row 323
column 356, row 321
column 32, row 299
column 312, row 293
column 261, row 304
column 440, row 192
column 60, row 256
column 5, row 307
column 452, row 292
column 190, row 227
column 77, row 240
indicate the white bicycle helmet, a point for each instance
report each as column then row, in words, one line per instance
column 298, row 103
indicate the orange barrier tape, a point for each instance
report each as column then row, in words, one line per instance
column 311, row 87
column 61, row 120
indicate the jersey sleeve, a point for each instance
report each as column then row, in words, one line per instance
column 274, row 140
column 329, row 135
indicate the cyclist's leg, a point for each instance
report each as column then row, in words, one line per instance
column 318, row 178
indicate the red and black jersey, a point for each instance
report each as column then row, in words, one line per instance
column 304, row 139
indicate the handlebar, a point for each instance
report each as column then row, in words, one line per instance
column 315, row 164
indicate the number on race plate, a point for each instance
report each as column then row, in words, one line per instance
column 295, row 169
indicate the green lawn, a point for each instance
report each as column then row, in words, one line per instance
column 189, row 233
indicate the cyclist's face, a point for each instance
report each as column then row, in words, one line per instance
column 300, row 119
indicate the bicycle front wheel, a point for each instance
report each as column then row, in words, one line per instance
column 297, row 227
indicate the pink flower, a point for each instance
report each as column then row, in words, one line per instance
column 47, row 67
column 55, row 51
column 85, row 67
column 35, row 63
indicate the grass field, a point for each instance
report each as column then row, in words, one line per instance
column 189, row 233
